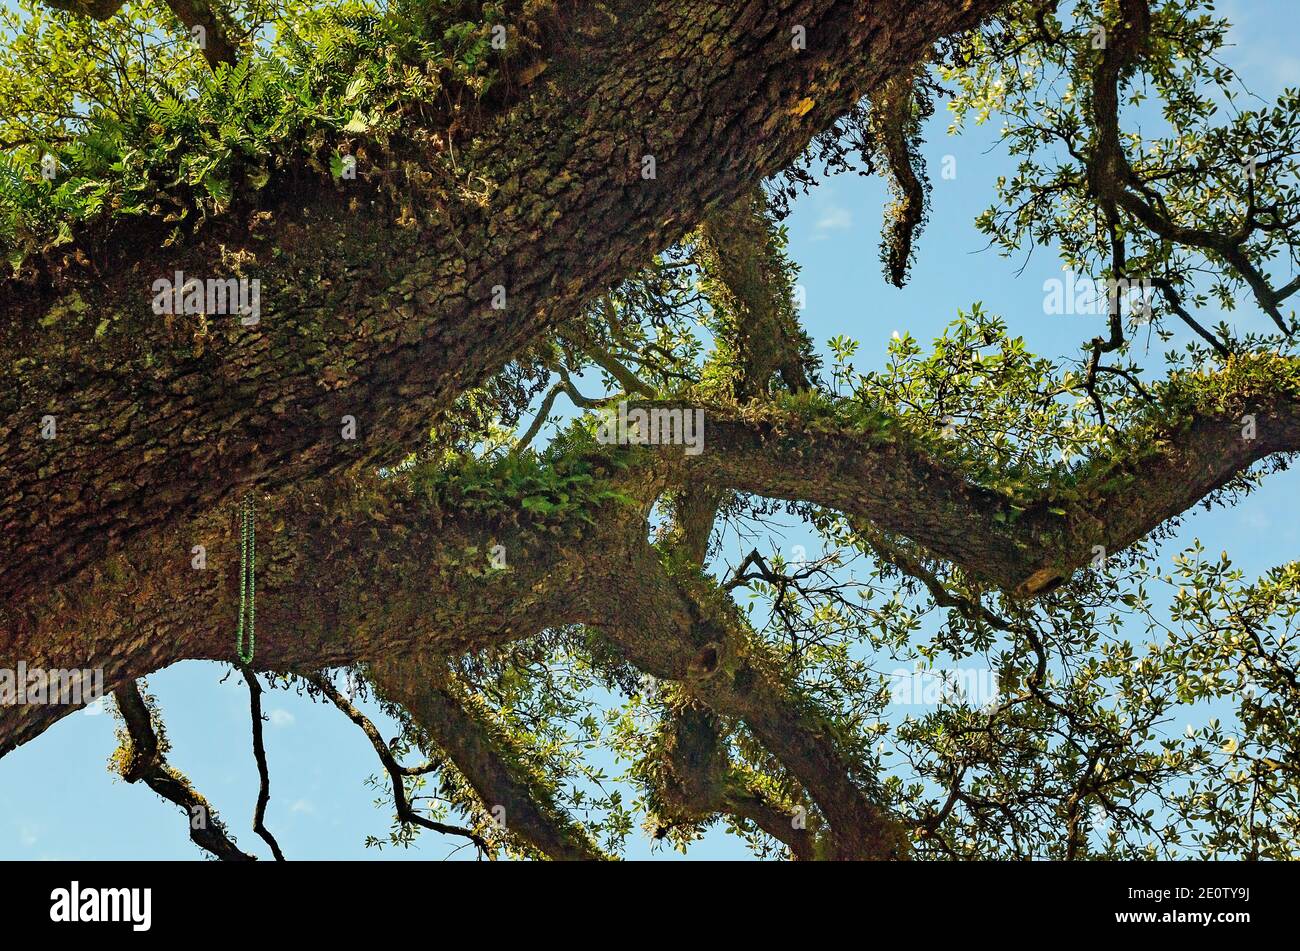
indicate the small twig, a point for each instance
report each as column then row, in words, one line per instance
column 543, row 413
column 396, row 771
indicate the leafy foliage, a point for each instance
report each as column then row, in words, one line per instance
column 147, row 129
column 1141, row 710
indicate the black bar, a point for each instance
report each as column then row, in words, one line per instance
column 976, row 901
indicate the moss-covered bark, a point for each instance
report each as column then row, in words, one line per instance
column 353, row 572
column 376, row 295
column 1208, row 430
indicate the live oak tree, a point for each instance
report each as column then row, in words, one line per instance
column 462, row 216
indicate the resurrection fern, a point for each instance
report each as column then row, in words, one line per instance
column 507, row 483
column 321, row 84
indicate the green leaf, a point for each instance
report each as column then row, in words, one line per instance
column 357, row 123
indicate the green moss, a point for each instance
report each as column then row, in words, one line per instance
column 70, row 306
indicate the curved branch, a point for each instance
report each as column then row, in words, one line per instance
column 263, row 772
column 697, row 781
column 1208, row 430
column 677, row 625
column 895, row 122
column 208, row 24
column 1113, row 180
column 145, row 761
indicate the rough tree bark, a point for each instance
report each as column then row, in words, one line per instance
column 388, row 322
column 355, row 570
column 346, row 573
column 387, row 570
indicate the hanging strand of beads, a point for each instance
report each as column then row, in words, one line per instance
column 247, row 581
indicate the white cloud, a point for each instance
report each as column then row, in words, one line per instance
column 1286, row 70
column 834, row 218
column 281, row 718
column 1259, row 45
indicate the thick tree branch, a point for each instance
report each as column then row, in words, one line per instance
column 347, row 572
column 333, row 548
column 209, row 25
column 368, row 314
column 678, row 626
column 895, row 122
column 696, row 781
column 1208, row 430
column 562, row 571
column 748, row 285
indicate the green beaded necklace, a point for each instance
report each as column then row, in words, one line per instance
column 247, row 580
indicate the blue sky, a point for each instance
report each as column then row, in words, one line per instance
column 58, row 800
